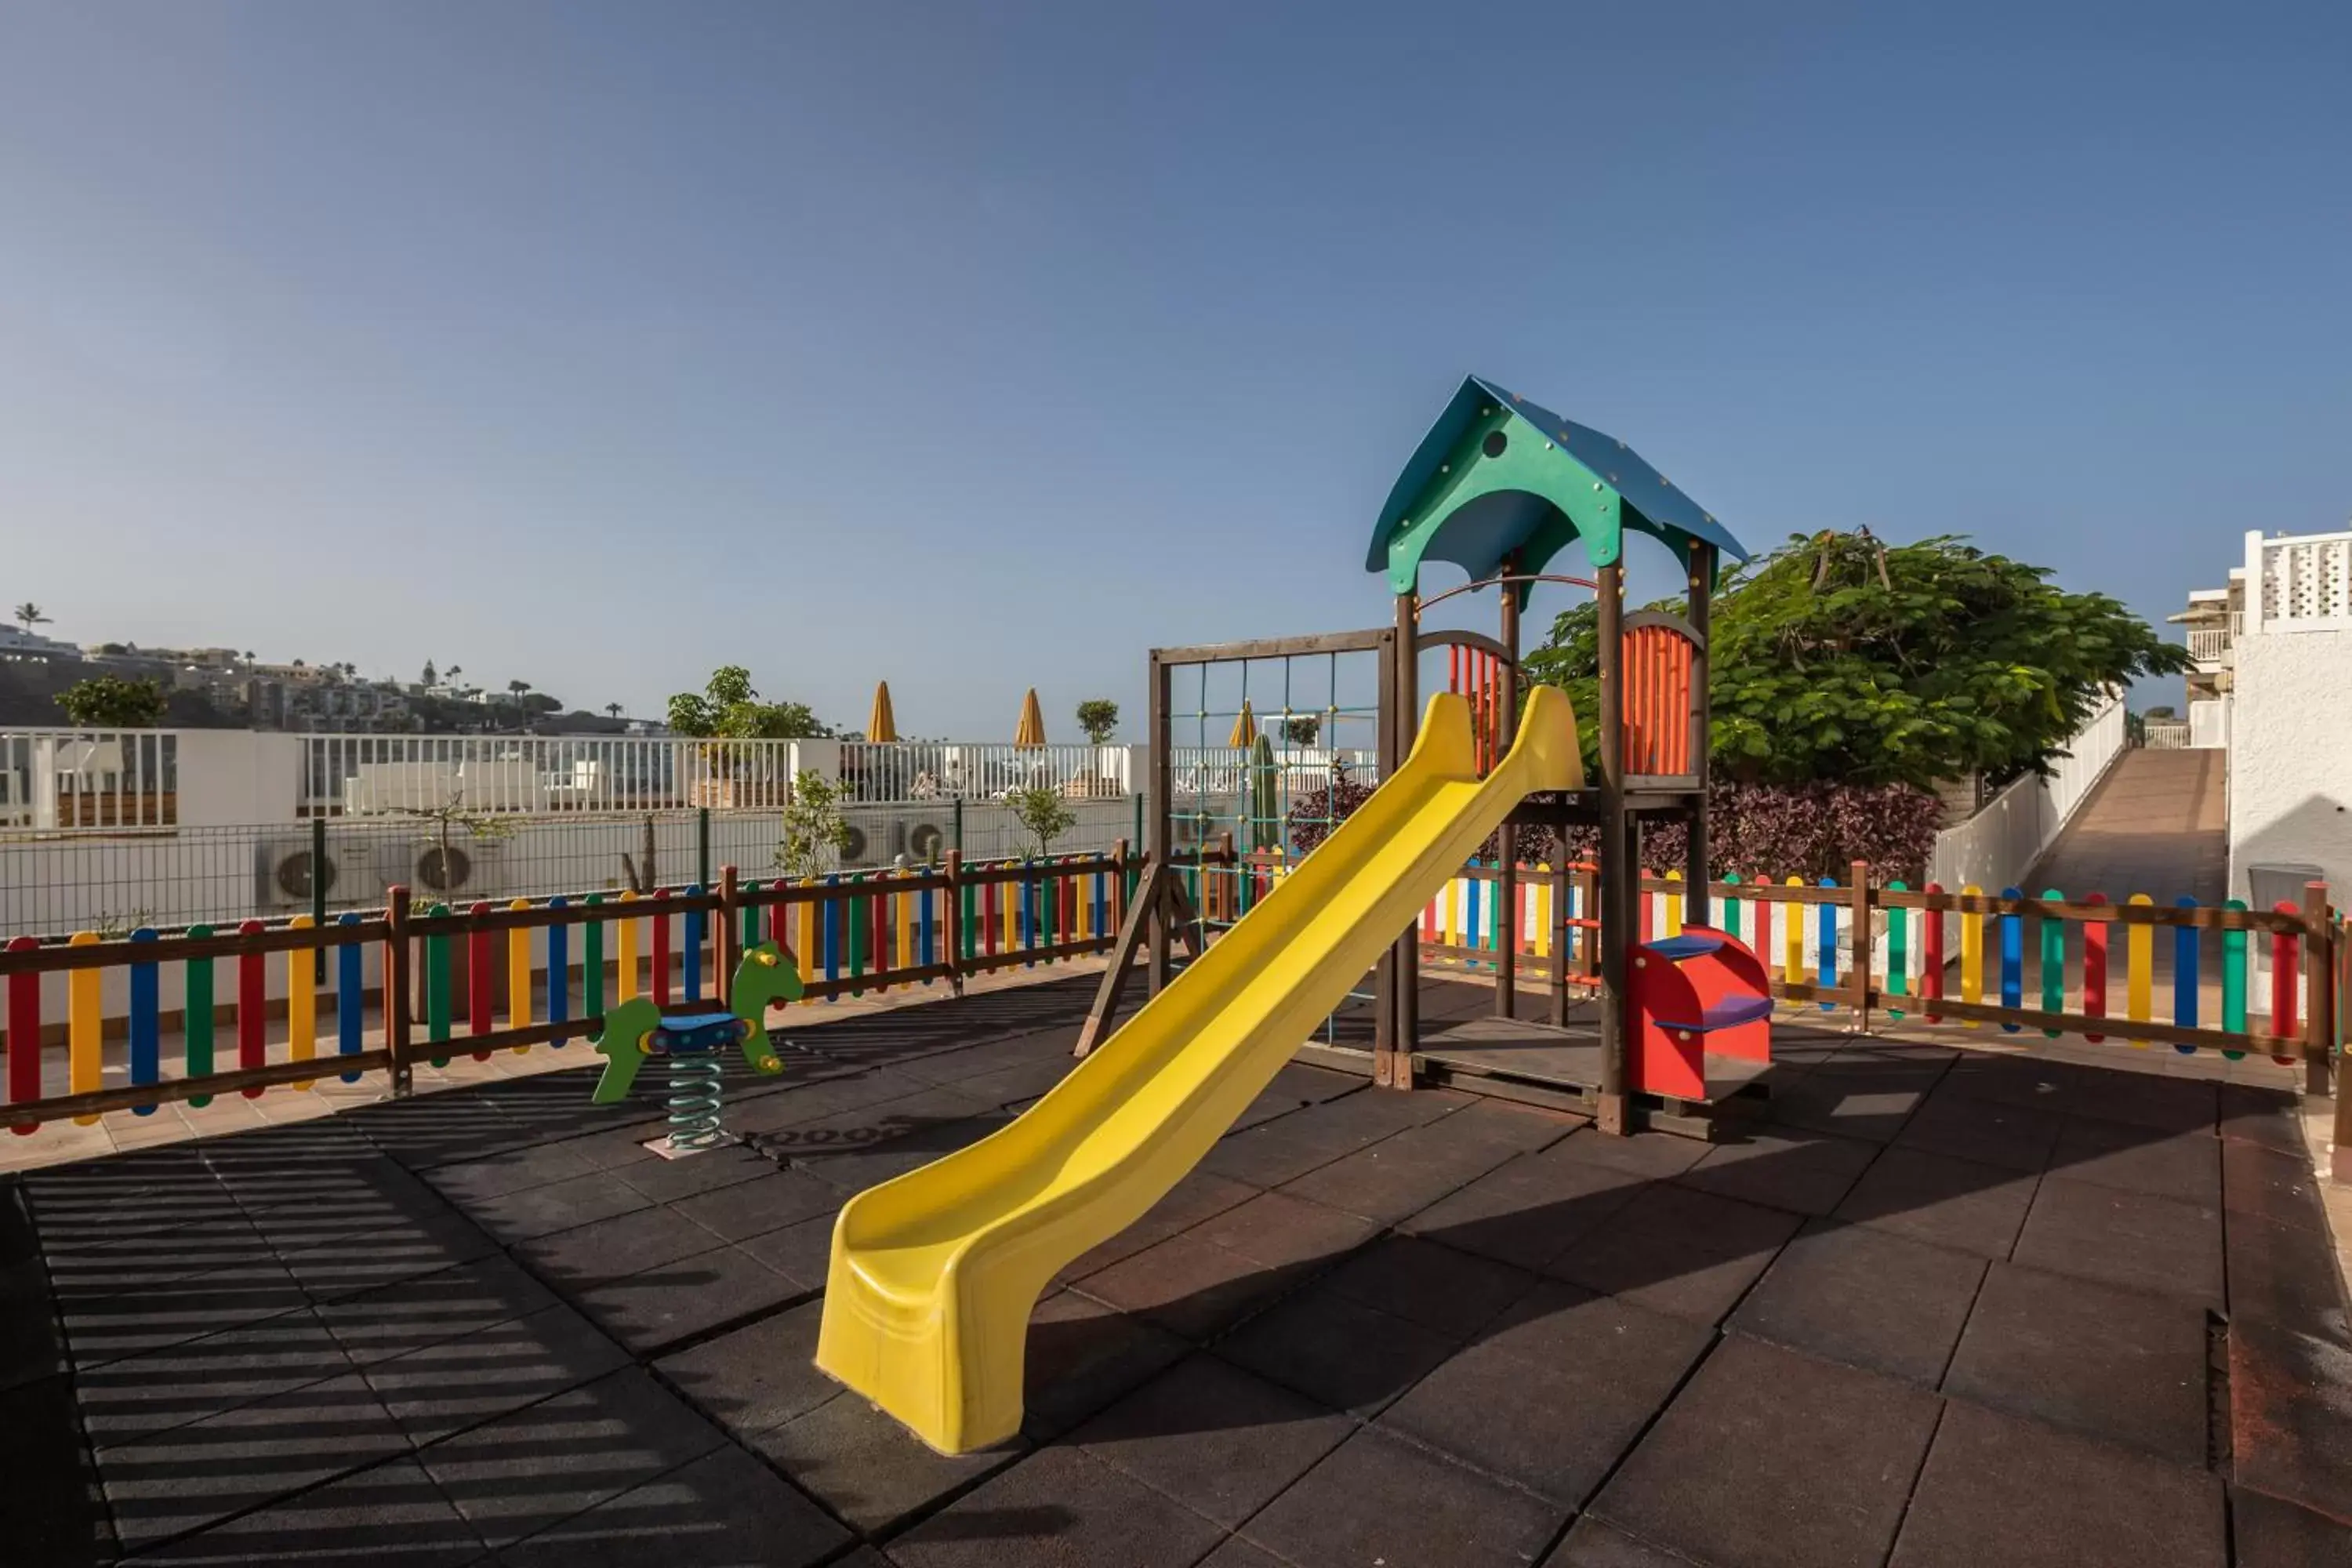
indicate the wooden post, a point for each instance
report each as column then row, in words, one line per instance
column 731, row 935
column 1506, row 838
column 951, row 928
column 1620, row 873
column 1697, row 906
column 1559, row 935
column 1862, row 946
column 1393, row 1067
column 1385, row 988
column 1157, row 848
column 395, row 990
column 2318, row 1000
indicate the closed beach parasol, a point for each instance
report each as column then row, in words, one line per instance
column 884, row 724
column 1032, row 729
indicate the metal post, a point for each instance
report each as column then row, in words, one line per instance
column 1620, row 873
column 319, row 894
column 395, row 989
column 1698, row 904
column 951, row 928
column 702, row 847
column 1506, row 838
column 1156, row 830
column 731, row 935
column 1403, row 725
column 957, row 839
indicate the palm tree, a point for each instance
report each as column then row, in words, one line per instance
column 517, row 688
column 28, row 615
column 613, row 709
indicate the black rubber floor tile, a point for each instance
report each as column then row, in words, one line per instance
column 2286, row 1275
column 2125, row 1238
column 666, row 1181
column 722, row 1511
column 1279, row 1230
column 1342, row 1355
column 148, row 1262
column 1556, row 1421
column 1190, row 1286
column 2269, row 1533
column 1990, row 1131
column 1529, row 1211
column 124, row 1401
column 1654, row 1155
column 2151, row 1100
column 50, row 1511
column 1867, row 1100
column 868, row 1469
column 1803, row 1173
column 1082, row 1356
column 1377, row 1499
column 1689, row 1253
column 818, row 1098
column 389, row 1513
column 1865, row 1298
column 2028, row 1080
column 1285, row 1149
column 816, row 1144
column 2185, row 1166
column 514, row 1217
column 468, row 1182
column 31, row 1347
column 127, row 1323
column 1400, row 1176
column 461, row 1382
column 801, row 1252
column 380, row 1325
column 194, row 1476
column 541, row 1465
column 755, row 1207
column 652, row 1310
column 1999, row 1491
column 1824, row 1453
column 1060, row 1507
column 1592, row 1544
column 1961, row 1204
column 387, row 1255
column 1197, row 1197
column 98, row 1203
column 1218, row 1440
column 2270, row 1185
column 614, row 1248
column 2117, row 1364
column 1235, row 1553
column 757, row 1376
column 2270, row 1118
column 1455, row 1293
column 2291, row 1416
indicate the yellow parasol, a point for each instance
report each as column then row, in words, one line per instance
column 1244, row 726
column 884, row 724
column 1032, row 729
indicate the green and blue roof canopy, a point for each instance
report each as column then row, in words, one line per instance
column 1499, row 476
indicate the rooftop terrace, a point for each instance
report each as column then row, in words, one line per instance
column 1939, row 1308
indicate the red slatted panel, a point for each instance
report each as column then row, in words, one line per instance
column 1657, row 702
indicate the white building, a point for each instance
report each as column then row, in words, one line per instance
column 2287, row 716
column 17, row 642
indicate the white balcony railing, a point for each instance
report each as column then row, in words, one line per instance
column 2207, row 644
column 2298, row 582
column 57, row 779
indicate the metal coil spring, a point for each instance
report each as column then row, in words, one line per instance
column 694, row 1100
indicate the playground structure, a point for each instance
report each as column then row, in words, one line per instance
column 933, row 1275
column 689, row 1041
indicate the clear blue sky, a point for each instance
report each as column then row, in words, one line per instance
column 598, row 344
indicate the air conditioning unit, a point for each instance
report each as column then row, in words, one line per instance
column 920, row 834
column 924, row 837
column 288, row 874
column 472, row 869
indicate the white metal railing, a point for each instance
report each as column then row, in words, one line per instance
column 2207, row 644
column 1225, row 770
column 55, row 780
column 2161, row 736
column 2001, row 843
column 364, row 776
column 2298, row 582
column 948, row 770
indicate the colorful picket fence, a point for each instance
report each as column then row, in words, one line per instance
column 562, row 959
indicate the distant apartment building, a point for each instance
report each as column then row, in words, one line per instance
column 16, row 642
column 2212, row 623
column 2282, row 685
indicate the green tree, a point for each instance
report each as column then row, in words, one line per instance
column 815, row 831
column 613, row 709
column 1041, row 813
column 28, row 615
column 110, row 703
column 431, row 678
column 727, row 708
column 1098, row 716
column 1302, row 729
column 1840, row 658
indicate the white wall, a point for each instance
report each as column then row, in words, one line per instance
column 1999, row 845
column 229, row 776
column 2291, row 755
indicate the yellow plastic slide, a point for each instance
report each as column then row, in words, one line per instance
column 934, row 1274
